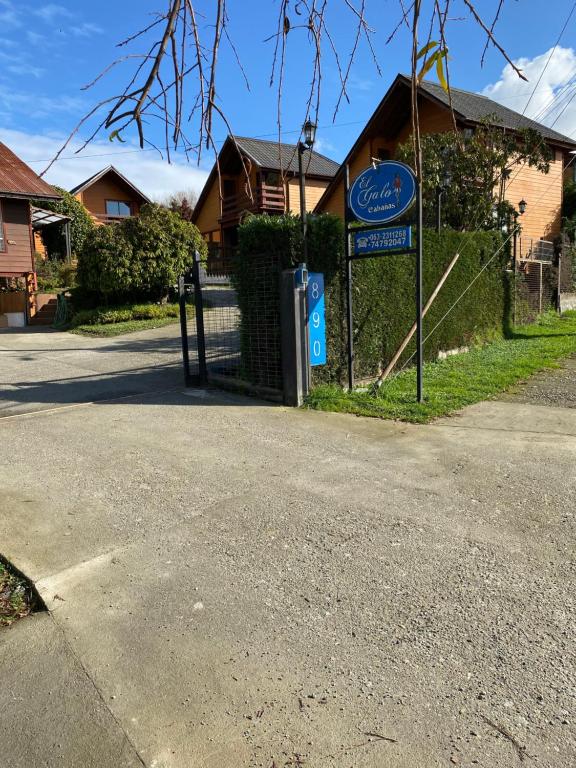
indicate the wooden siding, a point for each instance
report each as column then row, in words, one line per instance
column 433, row 119
column 543, row 195
column 39, row 246
column 17, row 258
column 107, row 188
column 542, row 192
column 12, row 301
column 208, row 218
column 314, row 190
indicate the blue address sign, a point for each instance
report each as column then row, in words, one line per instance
column 387, row 239
column 383, row 192
column 316, row 318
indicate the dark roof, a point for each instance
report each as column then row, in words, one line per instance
column 474, row 107
column 110, row 169
column 18, row 180
column 277, row 156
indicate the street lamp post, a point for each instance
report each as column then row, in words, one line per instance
column 521, row 210
column 309, row 132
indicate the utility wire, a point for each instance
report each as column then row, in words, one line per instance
column 465, row 291
column 552, row 52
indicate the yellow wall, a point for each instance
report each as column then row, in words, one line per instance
column 209, row 214
column 543, row 195
column 313, row 191
column 542, row 192
column 433, row 119
column 94, row 197
column 207, row 220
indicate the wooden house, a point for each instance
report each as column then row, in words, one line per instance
column 109, row 196
column 391, row 125
column 256, row 176
column 19, row 184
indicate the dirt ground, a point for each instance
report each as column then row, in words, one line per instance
column 238, row 585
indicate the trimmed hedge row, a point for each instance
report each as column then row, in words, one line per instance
column 383, row 294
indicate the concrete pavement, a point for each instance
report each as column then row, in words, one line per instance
column 41, row 368
column 247, row 585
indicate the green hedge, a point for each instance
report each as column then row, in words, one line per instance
column 383, row 295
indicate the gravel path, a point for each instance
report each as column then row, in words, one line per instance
column 555, row 387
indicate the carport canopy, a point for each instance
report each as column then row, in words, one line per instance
column 43, row 218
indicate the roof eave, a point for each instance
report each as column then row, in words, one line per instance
column 29, row 196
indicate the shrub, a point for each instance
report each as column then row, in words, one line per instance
column 53, row 275
column 140, row 257
column 383, row 290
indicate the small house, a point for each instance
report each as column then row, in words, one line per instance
column 256, row 176
column 19, row 184
column 109, row 196
column 391, row 125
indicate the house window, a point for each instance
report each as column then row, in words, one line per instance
column 383, row 154
column 2, row 238
column 117, row 208
column 271, row 179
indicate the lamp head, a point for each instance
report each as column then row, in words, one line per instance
column 309, row 131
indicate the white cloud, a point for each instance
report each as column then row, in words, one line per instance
column 52, row 11
column 154, row 176
column 85, row 30
column 15, row 102
column 25, row 69
column 8, row 15
column 553, row 102
column 323, row 146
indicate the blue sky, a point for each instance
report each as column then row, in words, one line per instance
column 48, row 51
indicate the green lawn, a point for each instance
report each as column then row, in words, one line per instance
column 460, row 380
column 118, row 329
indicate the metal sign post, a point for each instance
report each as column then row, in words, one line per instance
column 383, row 193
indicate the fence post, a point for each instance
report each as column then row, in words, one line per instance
column 541, row 289
column 294, row 338
column 559, row 283
column 199, row 309
column 184, row 329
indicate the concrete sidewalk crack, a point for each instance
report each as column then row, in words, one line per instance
column 97, row 689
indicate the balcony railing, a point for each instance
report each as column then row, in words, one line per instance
column 266, row 199
column 104, row 218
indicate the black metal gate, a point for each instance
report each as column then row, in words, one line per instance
column 232, row 337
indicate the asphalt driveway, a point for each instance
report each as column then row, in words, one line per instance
column 41, row 368
column 233, row 584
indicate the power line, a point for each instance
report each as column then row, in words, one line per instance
column 218, row 141
column 549, row 57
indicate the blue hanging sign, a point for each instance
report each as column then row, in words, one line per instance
column 383, row 192
column 316, row 318
column 387, row 239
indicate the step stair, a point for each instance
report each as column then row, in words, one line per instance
column 46, row 314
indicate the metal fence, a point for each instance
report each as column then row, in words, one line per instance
column 234, row 338
column 536, row 289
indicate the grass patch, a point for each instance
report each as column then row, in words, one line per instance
column 16, row 600
column 116, row 321
column 462, row 380
column 107, row 330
